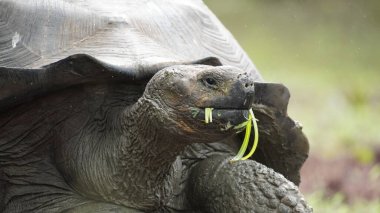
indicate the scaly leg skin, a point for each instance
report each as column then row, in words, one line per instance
column 217, row 185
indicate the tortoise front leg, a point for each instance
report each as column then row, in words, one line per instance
column 218, row 185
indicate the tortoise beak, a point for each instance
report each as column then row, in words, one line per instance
column 225, row 118
column 227, row 113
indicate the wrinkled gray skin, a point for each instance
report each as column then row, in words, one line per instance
column 92, row 148
column 102, row 132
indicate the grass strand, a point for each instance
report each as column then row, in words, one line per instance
column 256, row 139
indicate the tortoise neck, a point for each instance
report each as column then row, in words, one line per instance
column 147, row 154
column 154, row 144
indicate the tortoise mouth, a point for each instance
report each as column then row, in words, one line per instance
column 225, row 119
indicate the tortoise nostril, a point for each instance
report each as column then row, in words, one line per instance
column 248, row 84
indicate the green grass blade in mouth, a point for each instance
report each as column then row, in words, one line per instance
column 243, row 148
column 256, row 139
column 208, row 115
column 248, row 128
column 240, row 126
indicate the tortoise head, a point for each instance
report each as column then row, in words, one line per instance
column 182, row 93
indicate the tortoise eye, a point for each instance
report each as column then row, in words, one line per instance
column 210, row 82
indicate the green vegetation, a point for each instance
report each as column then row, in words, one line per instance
column 337, row 204
column 248, row 126
column 208, row 115
column 244, row 145
column 248, row 132
column 328, row 54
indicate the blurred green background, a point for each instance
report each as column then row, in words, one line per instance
column 328, row 54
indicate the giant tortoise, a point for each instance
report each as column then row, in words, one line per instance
column 102, row 110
